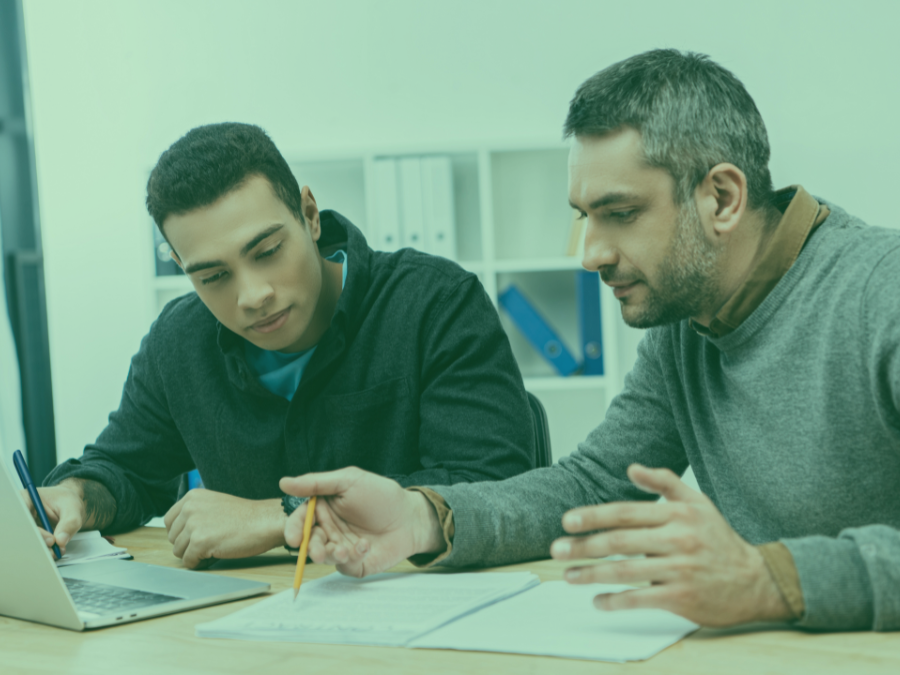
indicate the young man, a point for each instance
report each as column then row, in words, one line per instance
column 771, row 366
column 301, row 350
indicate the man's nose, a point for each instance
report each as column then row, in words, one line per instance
column 254, row 293
column 599, row 250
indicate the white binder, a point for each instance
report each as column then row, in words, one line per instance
column 411, row 214
column 437, row 202
column 386, row 228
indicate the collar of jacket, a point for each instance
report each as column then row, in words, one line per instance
column 801, row 215
column 337, row 233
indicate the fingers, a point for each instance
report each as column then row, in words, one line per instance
column 633, row 571
column 175, row 528
column 634, row 514
column 293, row 526
column 194, row 556
column 173, row 513
column 338, row 547
column 49, row 540
column 316, row 549
column 195, row 549
column 180, row 543
column 328, row 483
column 355, row 564
column 324, row 552
column 68, row 524
column 662, row 482
column 617, row 514
column 616, row 542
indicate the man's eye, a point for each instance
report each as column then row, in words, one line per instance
column 622, row 215
column 580, row 215
column 214, row 278
column 271, row 251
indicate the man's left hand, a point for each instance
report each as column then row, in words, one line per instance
column 698, row 567
column 205, row 526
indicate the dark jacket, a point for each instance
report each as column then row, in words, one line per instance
column 414, row 380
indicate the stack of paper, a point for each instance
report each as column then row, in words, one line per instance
column 90, row 546
column 496, row 612
column 557, row 619
column 385, row 609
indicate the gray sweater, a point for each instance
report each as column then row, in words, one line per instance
column 791, row 424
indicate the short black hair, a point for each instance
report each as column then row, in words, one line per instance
column 691, row 113
column 212, row 160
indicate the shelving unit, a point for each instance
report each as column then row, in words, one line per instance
column 512, row 226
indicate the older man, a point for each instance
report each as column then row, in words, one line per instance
column 771, row 366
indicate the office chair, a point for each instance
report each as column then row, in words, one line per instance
column 541, row 431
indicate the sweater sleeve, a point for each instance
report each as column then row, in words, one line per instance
column 140, row 454
column 475, row 422
column 517, row 519
column 853, row 581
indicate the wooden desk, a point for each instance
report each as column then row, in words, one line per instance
column 168, row 645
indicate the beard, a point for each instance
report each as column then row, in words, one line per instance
column 687, row 281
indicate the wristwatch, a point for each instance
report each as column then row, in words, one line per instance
column 290, row 503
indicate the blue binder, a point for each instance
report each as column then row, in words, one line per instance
column 587, row 290
column 537, row 330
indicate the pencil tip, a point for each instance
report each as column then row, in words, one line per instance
column 296, row 591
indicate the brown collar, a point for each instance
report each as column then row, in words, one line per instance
column 802, row 214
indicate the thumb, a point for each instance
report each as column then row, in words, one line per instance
column 69, row 523
column 662, row 482
column 323, row 484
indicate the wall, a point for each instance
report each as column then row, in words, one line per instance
column 115, row 82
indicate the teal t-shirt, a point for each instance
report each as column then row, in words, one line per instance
column 281, row 373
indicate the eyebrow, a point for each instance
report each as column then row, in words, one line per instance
column 607, row 199
column 249, row 246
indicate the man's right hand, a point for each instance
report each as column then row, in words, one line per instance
column 365, row 523
column 65, row 509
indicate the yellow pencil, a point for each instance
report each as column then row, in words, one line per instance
column 304, row 544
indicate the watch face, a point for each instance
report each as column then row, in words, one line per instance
column 290, row 503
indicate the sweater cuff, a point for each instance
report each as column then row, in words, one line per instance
column 445, row 518
column 781, row 566
column 837, row 592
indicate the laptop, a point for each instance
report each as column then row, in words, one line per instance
column 93, row 594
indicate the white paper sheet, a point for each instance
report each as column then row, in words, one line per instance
column 88, row 546
column 385, row 609
column 558, row 619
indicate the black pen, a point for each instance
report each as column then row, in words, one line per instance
column 28, row 484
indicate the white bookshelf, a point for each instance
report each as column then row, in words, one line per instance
column 512, row 226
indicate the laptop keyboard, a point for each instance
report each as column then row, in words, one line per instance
column 101, row 599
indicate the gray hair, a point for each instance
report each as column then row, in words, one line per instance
column 691, row 113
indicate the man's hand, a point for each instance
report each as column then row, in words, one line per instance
column 365, row 523
column 65, row 510
column 698, row 567
column 204, row 526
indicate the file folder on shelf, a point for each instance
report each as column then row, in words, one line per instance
column 589, row 326
column 537, row 330
column 438, row 208
column 386, row 225
column 411, row 214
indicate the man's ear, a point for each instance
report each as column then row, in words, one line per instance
column 722, row 197
column 310, row 211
